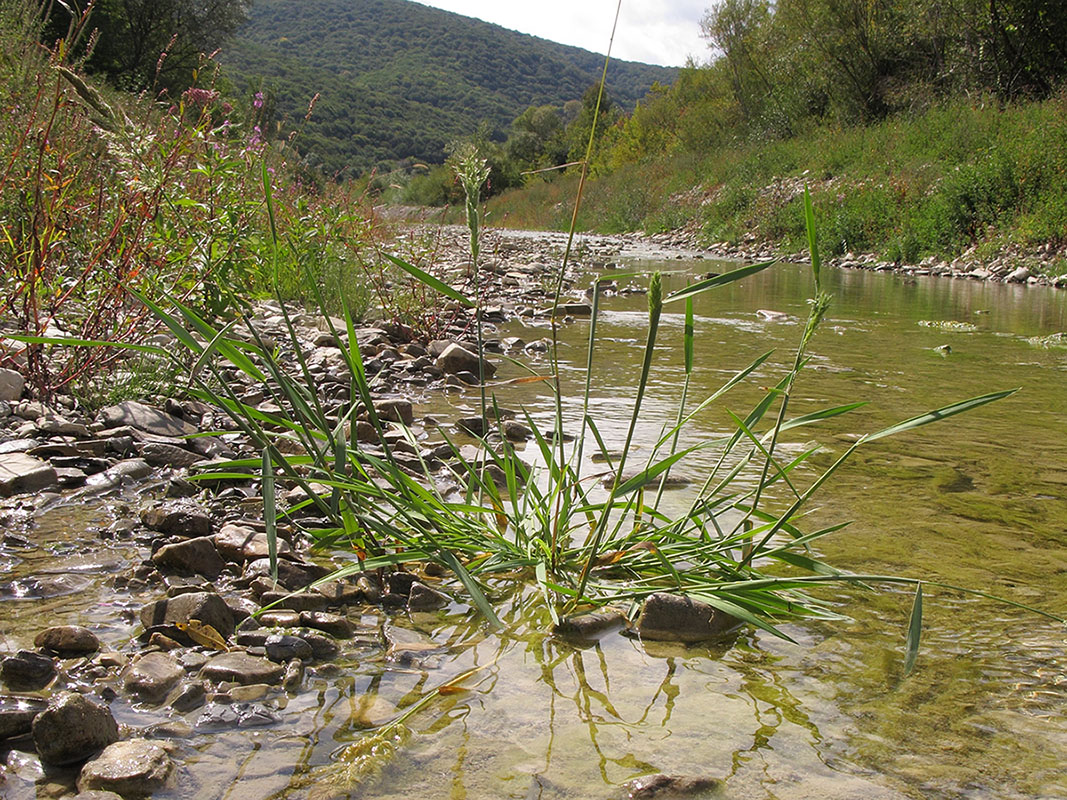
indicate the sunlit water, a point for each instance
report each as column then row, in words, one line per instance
column 977, row 501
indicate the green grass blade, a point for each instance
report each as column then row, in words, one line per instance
column 270, row 513
column 915, row 627
column 429, row 280
column 813, row 243
column 718, row 280
column 939, row 414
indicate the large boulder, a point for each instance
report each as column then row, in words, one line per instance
column 72, row 729
column 133, row 769
column 671, row 618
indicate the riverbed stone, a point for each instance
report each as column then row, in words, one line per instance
column 333, row 624
column 11, row 385
column 207, row 607
column 282, row 648
column 455, row 358
column 145, row 418
column 151, row 676
column 180, row 518
column 590, row 627
column 134, row 768
column 193, row 556
column 301, row 601
column 21, row 473
column 668, row 786
column 396, row 410
column 242, row 668
column 160, row 454
column 67, row 640
column 241, row 543
column 72, row 729
column 27, row 670
column 424, row 598
column 17, row 713
column 672, row 618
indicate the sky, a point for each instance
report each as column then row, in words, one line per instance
column 663, row 32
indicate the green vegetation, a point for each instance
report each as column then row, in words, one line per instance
column 101, row 192
column 398, row 80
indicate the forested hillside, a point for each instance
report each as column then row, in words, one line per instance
column 397, row 79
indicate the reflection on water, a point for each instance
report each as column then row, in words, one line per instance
column 978, row 501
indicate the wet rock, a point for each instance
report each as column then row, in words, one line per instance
column 668, row 617
column 207, row 607
column 1020, row 275
column 294, row 675
column 515, row 431
column 145, row 418
column 323, row 647
column 131, row 469
column 61, row 426
column 73, row 728
column 301, row 601
column 456, row 358
column 667, row 786
column 11, row 385
column 241, row 543
column 95, row 794
column 283, row 648
column 292, row 575
column 67, row 640
column 242, row 668
column 280, row 619
column 21, row 473
column 422, row 598
column 333, row 624
column 188, row 697
column 191, row 557
column 341, row 593
column 177, row 518
column 151, row 676
column 17, row 713
column 254, row 715
column 590, row 627
column 133, row 769
column 216, row 716
column 27, row 670
column 476, row 426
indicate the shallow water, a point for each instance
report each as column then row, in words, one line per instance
column 978, row 500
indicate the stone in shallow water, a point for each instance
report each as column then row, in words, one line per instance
column 207, row 607
column 151, row 676
column 193, row 556
column 242, row 668
column 11, row 385
column 17, row 713
column 667, row 786
column 68, row 640
column 668, row 617
column 72, row 729
column 180, row 518
column 133, row 769
column 27, row 670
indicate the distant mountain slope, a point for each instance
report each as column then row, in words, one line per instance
column 400, row 79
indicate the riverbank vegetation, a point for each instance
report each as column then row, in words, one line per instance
column 923, row 129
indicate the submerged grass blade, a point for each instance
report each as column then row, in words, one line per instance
column 915, row 627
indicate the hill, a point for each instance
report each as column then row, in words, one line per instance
column 397, row 79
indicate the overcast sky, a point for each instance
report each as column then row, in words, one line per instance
column 654, row 31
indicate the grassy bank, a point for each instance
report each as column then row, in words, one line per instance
column 966, row 176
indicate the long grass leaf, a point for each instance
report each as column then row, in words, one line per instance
column 915, row 628
column 939, row 414
column 718, row 280
column 429, row 280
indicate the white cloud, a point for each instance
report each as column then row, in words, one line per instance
column 663, row 32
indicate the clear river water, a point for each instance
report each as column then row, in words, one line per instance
column 979, row 500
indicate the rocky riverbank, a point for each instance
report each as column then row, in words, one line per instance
column 212, row 643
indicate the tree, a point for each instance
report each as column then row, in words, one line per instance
column 142, row 44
